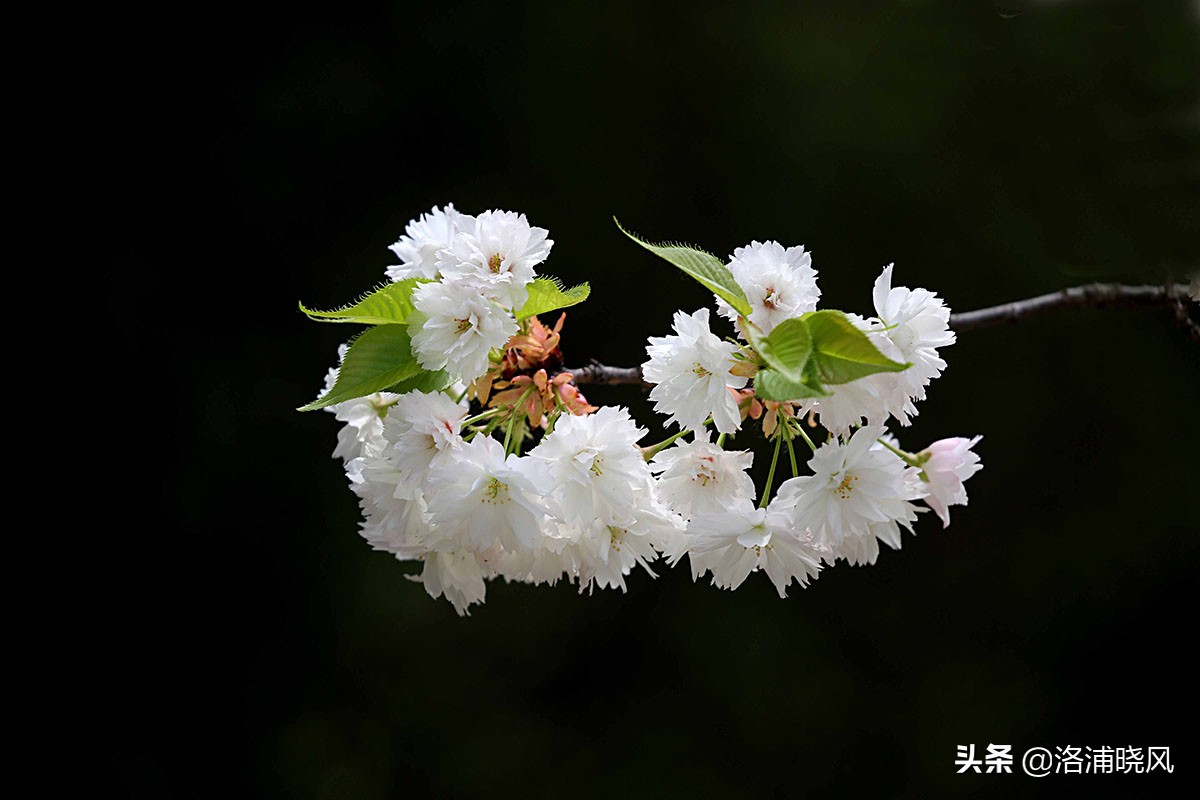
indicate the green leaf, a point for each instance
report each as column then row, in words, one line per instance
column 378, row 359
column 548, row 294
column 424, row 381
column 786, row 348
column 388, row 304
column 771, row 384
column 841, row 352
column 704, row 267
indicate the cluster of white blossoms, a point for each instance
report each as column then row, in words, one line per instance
column 480, row 268
column 586, row 502
column 581, row 504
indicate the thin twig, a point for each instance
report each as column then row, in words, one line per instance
column 1093, row 295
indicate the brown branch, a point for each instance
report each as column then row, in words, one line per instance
column 1094, row 295
column 595, row 373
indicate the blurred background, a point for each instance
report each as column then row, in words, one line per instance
column 242, row 640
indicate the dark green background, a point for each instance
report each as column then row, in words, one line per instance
column 241, row 638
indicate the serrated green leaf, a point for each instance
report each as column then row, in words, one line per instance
column 388, row 304
column 547, row 294
column 424, row 381
column 706, row 268
column 381, row 357
column 841, row 352
column 786, row 348
column 771, row 384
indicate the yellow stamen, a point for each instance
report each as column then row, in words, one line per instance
column 846, row 486
column 492, row 494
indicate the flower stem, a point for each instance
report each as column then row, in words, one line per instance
column 513, row 418
column 559, row 408
column 508, row 431
column 491, row 412
column 766, row 495
column 799, row 428
column 912, row 461
column 654, row 449
column 792, row 456
column 721, row 441
column 553, row 419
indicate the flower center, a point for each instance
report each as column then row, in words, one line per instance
column 495, row 493
column 494, row 262
column 616, row 536
column 772, row 298
column 597, row 467
column 700, row 370
column 846, row 486
column 705, row 472
column 463, row 325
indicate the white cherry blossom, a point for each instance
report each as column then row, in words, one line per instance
column 855, row 484
column 733, row 543
column 457, row 328
column 698, row 477
column 394, row 511
column 423, row 238
column 916, row 322
column 498, row 256
column 691, row 370
column 362, row 433
column 421, row 428
column 458, row 576
column 477, row 498
column 595, row 466
column 779, row 283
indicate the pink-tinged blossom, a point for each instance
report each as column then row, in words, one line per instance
column 698, row 477
column 692, row 373
column 950, row 463
column 421, row 428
